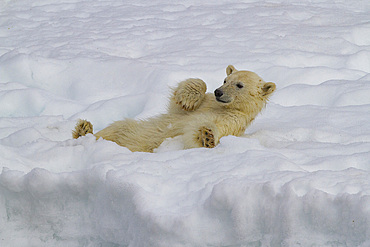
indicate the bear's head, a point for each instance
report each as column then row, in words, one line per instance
column 244, row 90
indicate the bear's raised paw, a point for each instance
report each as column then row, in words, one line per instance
column 190, row 94
column 206, row 138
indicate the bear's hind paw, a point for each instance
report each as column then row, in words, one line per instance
column 82, row 128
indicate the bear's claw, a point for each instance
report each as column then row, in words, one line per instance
column 207, row 138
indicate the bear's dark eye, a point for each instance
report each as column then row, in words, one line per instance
column 240, row 85
column 224, row 81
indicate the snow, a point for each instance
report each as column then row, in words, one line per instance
column 300, row 176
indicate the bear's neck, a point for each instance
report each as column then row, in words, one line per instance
column 250, row 109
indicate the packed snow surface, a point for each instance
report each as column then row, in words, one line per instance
column 300, row 176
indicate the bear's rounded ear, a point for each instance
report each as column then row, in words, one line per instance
column 230, row 69
column 268, row 88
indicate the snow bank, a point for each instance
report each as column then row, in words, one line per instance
column 298, row 177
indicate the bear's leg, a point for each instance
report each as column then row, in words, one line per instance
column 206, row 137
column 188, row 95
column 139, row 135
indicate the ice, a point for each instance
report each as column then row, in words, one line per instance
column 299, row 176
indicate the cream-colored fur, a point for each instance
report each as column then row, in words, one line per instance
column 201, row 118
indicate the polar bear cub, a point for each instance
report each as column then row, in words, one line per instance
column 200, row 118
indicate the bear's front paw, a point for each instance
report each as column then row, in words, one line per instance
column 190, row 94
column 206, row 138
column 189, row 105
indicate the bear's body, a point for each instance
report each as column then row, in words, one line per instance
column 201, row 118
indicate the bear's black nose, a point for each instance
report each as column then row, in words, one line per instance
column 218, row 92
